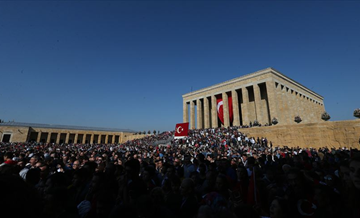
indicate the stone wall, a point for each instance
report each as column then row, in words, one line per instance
column 18, row 134
column 22, row 134
column 331, row 134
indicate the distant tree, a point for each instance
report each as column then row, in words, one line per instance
column 274, row 121
column 144, row 132
column 149, row 132
column 357, row 113
column 325, row 116
column 154, row 132
column 297, row 119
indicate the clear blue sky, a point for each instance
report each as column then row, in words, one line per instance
column 127, row 64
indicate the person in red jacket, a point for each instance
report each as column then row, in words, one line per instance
column 8, row 159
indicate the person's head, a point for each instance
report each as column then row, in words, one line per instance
column 8, row 156
column 295, row 178
column 286, row 168
column 157, row 195
column 80, row 177
column 200, row 157
column 159, row 163
column 177, row 162
column 170, row 171
column 244, row 157
column 279, row 208
column 175, row 184
column 345, row 173
column 202, row 169
column 221, row 183
column 148, row 173
column 187, row 187
column 355, row 172
column 323, row 195
column 132, row 168
column 105, row 203
column 33, row 176
column 56, row 180
column 76, row 165
column 329, row 180
column 97, row 181
column 33, row 160
column 270, row 174
column 187, row 159
column 241, row 173
column 55, row 200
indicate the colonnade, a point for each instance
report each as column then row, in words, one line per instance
column 249, row 103
column 69, row 137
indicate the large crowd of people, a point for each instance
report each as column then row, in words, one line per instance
column 218, row 172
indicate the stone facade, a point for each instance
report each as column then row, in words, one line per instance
column 27, row 133
column 333, row 134
column 259, row 96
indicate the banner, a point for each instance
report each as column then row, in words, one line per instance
column 181, row 130
column 220, row 110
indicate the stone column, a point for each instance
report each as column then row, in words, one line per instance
column 235, row 103
column 285, row 114
column 99, row 139
column 92, row 139
column 309, row 112
column 294, row 103
column 214, row 117
column 113, row 139
column 258, row 108
column 75, row 138
column 84, row 138
column 315, row 113
column 199, row 112
column 290, row 112
column 304, row 117
column 226, row 109
column 244, row 107
column 48, row 137
column 185, row 112
column 192, row 115
column 58, row 138
column 67, row 138
column 106, row 139
column 271, row 98
column 206, row 113
column 38, row 137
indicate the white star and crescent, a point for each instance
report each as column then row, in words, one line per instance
column 219, row 105
column 179, row 129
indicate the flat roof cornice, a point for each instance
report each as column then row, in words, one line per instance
column 55, row 126
column 252, row 75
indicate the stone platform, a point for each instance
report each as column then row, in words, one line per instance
column 333, row 134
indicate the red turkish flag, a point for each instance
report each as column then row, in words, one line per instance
column 181, row 130
column 220, row 110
